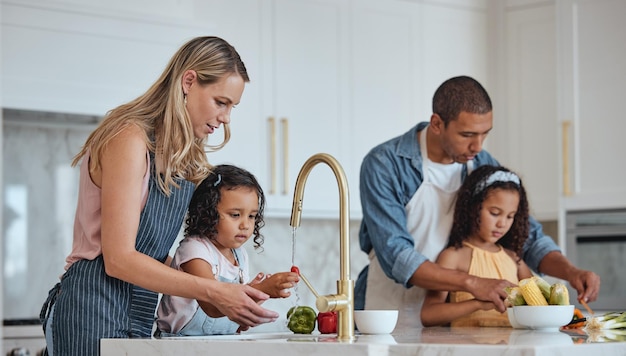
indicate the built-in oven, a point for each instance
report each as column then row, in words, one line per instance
column 596, row 241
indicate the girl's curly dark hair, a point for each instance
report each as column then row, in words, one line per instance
column 202, row 216
column 469, row 203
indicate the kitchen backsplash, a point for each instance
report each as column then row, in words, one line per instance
column 40, row 189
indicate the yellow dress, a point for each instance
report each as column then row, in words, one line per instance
column 488, row 265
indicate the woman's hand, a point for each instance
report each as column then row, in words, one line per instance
column 239, row 302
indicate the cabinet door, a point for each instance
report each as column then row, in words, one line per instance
column 591, row 96
column 529, row 120
column 383, row 72
column 301, row 90
column 238, row 22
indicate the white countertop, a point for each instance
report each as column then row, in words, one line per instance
column 426, row 341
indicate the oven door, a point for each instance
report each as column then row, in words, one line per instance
column 596, row 241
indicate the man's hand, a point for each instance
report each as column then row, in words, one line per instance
column 490, row 290
column 586, row 283
column 432, row 276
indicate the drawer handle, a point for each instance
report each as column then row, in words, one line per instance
column 285, row 127
column 272, row 124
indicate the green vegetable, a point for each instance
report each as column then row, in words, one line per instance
column 613, row 320
column 514, row 296
column 301, row 319
column 558, row 294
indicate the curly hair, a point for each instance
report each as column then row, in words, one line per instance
column 460, row 94
column 469, row 204
column 202, row 216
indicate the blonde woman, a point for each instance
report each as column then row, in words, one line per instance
column 138, row 171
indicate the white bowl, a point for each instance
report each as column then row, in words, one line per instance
column 375, row 321
column 511, row 314
column 549, row 317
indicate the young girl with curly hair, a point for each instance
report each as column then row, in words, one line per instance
column 488, row 233
column 225, row 211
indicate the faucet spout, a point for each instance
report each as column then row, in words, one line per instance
column 343, row 301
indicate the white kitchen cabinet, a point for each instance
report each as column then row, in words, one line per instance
column 592, row 72
column 400, row 53
column 332, row 76
column 525, row 119
column 560, row 78
column 295, row 103
column 377, row 64
column 303, row 90
column 87, row 57
column 383, row 77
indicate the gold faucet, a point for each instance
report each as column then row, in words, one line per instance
column 343, row 301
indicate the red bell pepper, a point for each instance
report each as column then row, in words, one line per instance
column 327, row 322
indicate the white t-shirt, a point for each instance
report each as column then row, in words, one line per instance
column 175, row 312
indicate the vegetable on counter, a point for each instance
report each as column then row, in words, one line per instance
column 608, row 321
column 327, row 322
column 608, row 327
column 301, row 319
column 578, row 320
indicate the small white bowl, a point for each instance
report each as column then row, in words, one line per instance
column 549, row 317
column 375, row 321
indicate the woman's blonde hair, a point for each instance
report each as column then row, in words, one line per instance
column 160, row 112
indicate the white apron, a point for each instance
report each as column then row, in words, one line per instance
column 429, row 219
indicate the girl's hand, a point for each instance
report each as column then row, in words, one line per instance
column 485, row 305
column 259, row 278
column 277, row 285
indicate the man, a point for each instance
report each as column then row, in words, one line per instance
column 408, row 188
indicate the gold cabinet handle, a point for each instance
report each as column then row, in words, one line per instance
column 272, row 127
column 285, row 128
column 565, row 151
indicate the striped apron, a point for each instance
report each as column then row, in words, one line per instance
column 89, row 305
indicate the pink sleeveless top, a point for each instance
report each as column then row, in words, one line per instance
column 87, row 222
column 488, row 265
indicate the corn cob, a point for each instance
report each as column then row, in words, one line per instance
column 543, row 286
column 558, row 294
column 531, row 292
column 514, row 296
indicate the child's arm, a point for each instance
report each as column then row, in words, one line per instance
column 202, row 268
column 277, row 285
column 435, row 310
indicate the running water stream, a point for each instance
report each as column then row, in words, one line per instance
column 296, row 302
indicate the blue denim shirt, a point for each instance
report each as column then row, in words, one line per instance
column 390, row 175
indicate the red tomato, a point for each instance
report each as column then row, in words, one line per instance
column 295, row 269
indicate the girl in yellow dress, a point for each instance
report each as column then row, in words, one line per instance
column 487, row 238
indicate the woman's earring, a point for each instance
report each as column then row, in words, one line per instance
column 185, row 99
